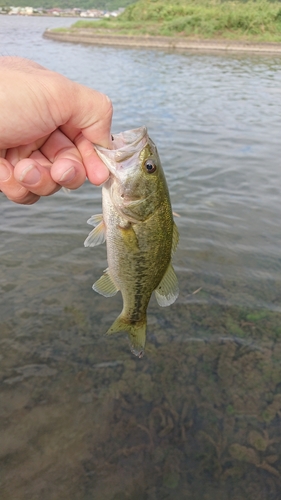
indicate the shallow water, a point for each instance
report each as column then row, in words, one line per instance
column 199, row 416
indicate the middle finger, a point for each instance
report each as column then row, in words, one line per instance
column 34, row 174
column 67, row 169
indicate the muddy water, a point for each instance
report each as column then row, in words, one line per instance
column 199, row 416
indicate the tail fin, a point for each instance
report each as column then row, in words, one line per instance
column 136, row 332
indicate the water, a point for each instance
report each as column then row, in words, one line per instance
column 199, row 416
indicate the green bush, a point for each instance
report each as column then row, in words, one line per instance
column 258, row 20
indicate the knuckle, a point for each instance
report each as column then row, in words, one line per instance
column 108, row 106
column 22, row 196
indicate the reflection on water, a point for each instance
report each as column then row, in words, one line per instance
column 199, row 416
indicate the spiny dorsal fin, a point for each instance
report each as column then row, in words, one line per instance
column 96, row 236
column 105, row 286
column 168, row 290
column 176, row 237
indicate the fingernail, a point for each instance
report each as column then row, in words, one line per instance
column 5, row 173
column 30, row 175
column 68, row 175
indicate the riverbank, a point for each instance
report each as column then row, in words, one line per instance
column 92, row 37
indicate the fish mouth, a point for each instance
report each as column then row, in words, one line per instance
column 129, row 141
column 125, row 151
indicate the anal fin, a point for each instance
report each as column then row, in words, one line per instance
column 168, row 290
column 105, row 286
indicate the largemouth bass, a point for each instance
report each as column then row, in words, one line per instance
column 137, row 224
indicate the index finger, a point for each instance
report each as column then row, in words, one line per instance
column 97, row 172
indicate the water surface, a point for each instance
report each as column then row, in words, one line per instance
column 199, row 416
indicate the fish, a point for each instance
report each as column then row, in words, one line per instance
column 140, row 233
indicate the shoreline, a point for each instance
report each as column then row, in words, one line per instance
column 90, row 37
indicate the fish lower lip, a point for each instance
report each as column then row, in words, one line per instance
column 132, row 203
column 129, row 199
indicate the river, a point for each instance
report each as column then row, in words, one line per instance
column 198, row 418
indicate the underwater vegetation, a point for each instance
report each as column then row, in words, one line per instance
column 199, row 417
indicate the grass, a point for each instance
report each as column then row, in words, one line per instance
column 253, row 20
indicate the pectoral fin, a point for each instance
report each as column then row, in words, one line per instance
column 95, row 220
column 168, row 290
column 97, row 235
column 105, row 286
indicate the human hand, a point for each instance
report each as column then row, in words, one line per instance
column 48, row 125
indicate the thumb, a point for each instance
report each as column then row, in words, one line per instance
column 91, row 114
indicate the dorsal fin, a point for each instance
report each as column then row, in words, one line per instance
column 176, row 237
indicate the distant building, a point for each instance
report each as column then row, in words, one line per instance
column 91, row 13
column 56, row 11
column 28, row 11
column 14, row 11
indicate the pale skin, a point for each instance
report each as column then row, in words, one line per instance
column 48, row 125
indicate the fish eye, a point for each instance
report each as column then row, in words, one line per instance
column 150, row 166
